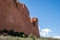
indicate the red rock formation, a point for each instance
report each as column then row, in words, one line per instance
column 15, row 15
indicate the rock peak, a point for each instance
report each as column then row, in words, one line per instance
column 15, row 16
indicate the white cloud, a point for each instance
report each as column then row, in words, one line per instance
column 58, row 37
column 45, row 32
column 39, row 28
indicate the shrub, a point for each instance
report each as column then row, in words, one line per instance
column 32, row 36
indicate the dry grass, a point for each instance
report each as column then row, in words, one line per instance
column 18, row 38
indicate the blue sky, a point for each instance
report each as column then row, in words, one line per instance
column 48, row 13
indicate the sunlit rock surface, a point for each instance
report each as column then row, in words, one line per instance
column 15, row 16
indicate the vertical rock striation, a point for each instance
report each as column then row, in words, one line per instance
column 15, row 16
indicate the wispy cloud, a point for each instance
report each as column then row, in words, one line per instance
column 58, row 37
column 45, row 32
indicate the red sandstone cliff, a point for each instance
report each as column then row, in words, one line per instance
column 15, row 15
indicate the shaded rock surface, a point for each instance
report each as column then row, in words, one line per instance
column 15, row 16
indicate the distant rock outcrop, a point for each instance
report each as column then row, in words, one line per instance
column 15, row 16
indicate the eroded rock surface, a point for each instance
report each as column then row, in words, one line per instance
column 15, row 16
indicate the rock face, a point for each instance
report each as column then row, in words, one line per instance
column 15, row 16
